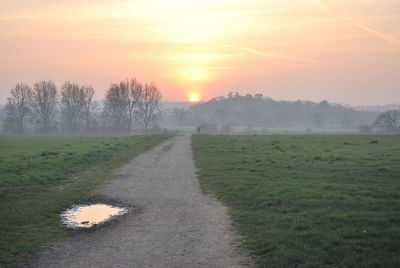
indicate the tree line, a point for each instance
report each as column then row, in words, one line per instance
column 248, row 110
column 128, row 105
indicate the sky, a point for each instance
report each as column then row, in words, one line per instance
column 337, row 50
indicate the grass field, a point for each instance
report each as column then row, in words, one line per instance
column 308, row 201
column 41, row 175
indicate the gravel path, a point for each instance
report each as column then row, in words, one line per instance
column 175, row 224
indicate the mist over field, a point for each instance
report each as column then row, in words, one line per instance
column 258, row 111
column 231, row 114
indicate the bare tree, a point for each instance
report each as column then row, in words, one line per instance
column 116, row 106
column 388, row 122
column 134, row 89
column 43, row 103
column 17, row 107
column 10, row 118
column 148, row 106
column 72, row 105
column 88, row 92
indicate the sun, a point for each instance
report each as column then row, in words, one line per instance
column 194, row 98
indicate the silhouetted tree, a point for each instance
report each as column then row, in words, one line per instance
column 388, row 122
column 43, row 103
column 17, row 107
column 72, row 105
column 148, row 106
column 88, row 93
column 116, row 106
column 10, row 119
column 134, row 89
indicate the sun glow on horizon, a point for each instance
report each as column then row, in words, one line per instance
column 194, row 97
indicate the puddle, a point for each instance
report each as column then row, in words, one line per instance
column 86, row 216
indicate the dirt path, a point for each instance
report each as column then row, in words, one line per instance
column 176, row 225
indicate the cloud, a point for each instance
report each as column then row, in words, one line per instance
column 271, row 55
column 379, row 34
column 198, row 57
column 323, row 6
column 392, row 39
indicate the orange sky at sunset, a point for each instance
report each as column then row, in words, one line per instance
column 339, row 50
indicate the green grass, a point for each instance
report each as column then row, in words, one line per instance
column 41, row 175
column 308, row 201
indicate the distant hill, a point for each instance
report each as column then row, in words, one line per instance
column 260, row 111
column 378, row 108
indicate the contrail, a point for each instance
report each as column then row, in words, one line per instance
column 385, row 36
column 272, row 55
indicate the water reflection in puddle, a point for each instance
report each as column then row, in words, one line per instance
column 85, row 216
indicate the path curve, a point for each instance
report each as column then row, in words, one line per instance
column 176, row 225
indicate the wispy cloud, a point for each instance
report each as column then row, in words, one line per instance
column 379, row 34
column 392, row 39
column 196, row 57
column 271, row 55
column 321, row 5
